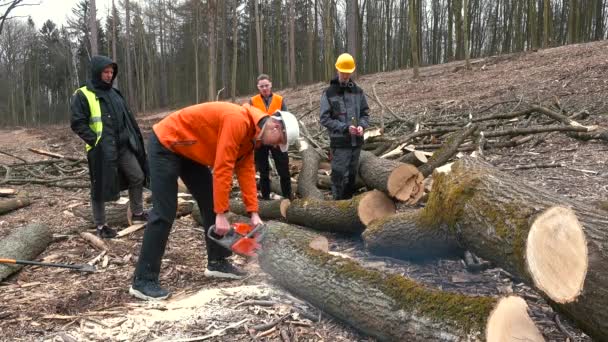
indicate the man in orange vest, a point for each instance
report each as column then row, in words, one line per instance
column 188, row 144
column 270, row 103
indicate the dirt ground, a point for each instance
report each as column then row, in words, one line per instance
column 60, row 305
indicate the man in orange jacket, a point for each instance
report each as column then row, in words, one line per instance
column 270, row 103
column 188, row 144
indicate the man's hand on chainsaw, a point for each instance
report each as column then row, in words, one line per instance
column 222, row 226
column 255, row 219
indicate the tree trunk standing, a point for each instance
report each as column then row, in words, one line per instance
column 235, row 48
column 292, row 43
column 114, row 36
column 130, row 89
column 310, row 41
column 328, row 41
column 465, row 29
column 532, row 26
column 93, row 28
column 258, row 38
column 414, row 37
column 457, row 12
column 599, row 20
column 507, row 26
column 225, row 34
column 23, row 243
column 387, row 306
column 164, row 94
column 551, row 241
column 352, row 25
column 195, row 44
column 450, row 38
column 572, row 22
column 547, row 23
column 212, row 68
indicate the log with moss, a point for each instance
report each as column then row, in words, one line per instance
column 268, row 210
column 7, row 205
column 552, row 242
column 307, row 179
column 24, row 243
column 403, row 236
column 387, row 306
column 398, row 180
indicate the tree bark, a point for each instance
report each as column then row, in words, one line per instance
column 24, row 243
column 446, row 152
column 308, row 177
column 387, row 306
column 398, row 180
column 93, row 27
column 212, row 66
column 334, row 216
column 269, row 210
column 554, row 243
column 7, row 205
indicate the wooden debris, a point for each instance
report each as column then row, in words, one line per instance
column 94, row 241
column 5, row 192
column 7, row 205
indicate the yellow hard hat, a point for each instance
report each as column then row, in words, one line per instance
column 345, row 63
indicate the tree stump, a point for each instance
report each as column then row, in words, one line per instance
column 24, row 243
column 387, row 306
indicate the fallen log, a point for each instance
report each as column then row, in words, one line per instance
column 344, row 216
column 387, row 306
column 447, row 151
column 552, row 242
column 7, row 205
column 398, row 180
column 24, row 243
column 324, row 182
column 269, row 210
column 401, row 236
column 416, row 158
column 307, row 179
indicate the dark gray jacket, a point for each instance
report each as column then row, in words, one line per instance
column 344, row 105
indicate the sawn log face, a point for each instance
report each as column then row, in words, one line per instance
column 492, row 213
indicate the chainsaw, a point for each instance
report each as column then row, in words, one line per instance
column 242, row 238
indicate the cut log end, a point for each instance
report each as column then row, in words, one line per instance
column 402, row 181
column 556, row 254
column 375, row 205
column 283, row 207
column 510, row 322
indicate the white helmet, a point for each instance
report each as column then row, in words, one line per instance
column 292, row 128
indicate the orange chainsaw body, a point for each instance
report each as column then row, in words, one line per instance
column 242, row 238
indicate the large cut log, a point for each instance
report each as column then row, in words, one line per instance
column 24, row 243
column 552, row 242
column 269, row 210
column 7, row 205
column 398, row 180
column 344, row 216
column 404, row 236
column 387, row 306
column 307, row 179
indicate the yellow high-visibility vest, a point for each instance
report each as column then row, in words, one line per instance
column 95, row 122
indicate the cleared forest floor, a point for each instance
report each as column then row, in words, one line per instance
column 54, row 304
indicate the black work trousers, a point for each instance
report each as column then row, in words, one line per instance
column 281, row 161
column 165, row 168
column 344, row 168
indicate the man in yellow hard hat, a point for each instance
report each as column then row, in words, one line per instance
column 345, row 114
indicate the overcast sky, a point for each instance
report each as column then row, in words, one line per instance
column 56, row 10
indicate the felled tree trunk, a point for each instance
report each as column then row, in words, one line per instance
column 25, row 244
column 324, row 182
column 307, row 179
column 401, row 236
column 387, row 306
column 447, row 151
column 7, row 205
column 554, row 243
column 398, row 180
column 344, row 216
column 270, row 210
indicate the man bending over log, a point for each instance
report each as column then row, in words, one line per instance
column 188, row 144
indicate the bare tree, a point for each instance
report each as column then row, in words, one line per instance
column 292, row 43
column 212, row 65
column 258, row 35
column 413, row 18
column 93, row 27
column 352, row 25
column 235, row 37
column 10, row 5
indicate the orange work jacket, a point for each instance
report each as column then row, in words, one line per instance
column 220, row 135
column 276, row 103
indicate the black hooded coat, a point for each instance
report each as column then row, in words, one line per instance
column 120, row 132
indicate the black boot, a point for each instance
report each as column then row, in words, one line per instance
column 148, row 290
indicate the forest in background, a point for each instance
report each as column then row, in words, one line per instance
column 180, row 52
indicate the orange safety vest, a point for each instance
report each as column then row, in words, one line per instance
column 276, row 103
column 220, row 135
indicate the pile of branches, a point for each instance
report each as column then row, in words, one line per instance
column 61, row 171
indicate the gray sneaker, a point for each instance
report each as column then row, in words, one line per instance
column 224, row 269
column 148, row 290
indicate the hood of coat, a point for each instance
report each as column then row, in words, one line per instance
column 98, row 63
